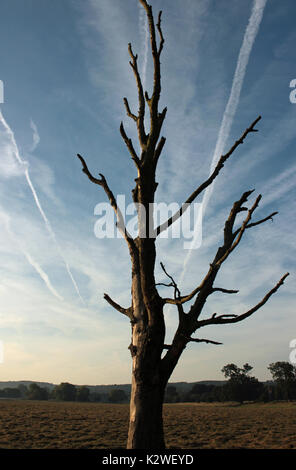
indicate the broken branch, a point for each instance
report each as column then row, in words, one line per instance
column 206, row 183
column 128, row 110
column 222, row 319
column 225, row 291
column 141, row 113
column 129, row 144
column 116, row 306
column 198, row 340
column 102, row 182
column 269, row 217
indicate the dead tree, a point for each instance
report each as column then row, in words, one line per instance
column 153, row 361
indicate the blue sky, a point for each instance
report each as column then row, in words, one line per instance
column 64, row 67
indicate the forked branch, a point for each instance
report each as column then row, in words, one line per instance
column 177, row 293
column 231, row 238
column 237, row 236
column 182, row 299
column 231, row 241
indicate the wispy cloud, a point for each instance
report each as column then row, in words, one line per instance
column 9, row 167
column 36, row 137
column 279, row 186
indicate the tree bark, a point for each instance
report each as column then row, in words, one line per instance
column 148, row 333
column 146, row 418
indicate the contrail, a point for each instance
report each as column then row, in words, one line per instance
column 51, row 232
column 45, row 219
column 231, row 107
column 237, row 83
column 41, row 273
column 144, row 33
column 30, row 259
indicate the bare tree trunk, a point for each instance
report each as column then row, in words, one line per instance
column 148, row 385
column 146, row 419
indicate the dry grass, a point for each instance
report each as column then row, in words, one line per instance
column 33, row 425
column 230, row 426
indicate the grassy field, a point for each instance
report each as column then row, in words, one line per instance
column 40, row 425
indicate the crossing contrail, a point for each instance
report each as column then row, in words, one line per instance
column 30, row 184
column 231, row 107
column 29, row 258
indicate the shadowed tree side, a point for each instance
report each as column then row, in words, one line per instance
column 153, row 361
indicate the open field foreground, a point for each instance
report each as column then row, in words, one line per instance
column 37, row 425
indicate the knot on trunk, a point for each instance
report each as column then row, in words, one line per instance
column 133, row 349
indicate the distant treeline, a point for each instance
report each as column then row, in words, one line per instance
column 63, row 392
column 239, row 387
